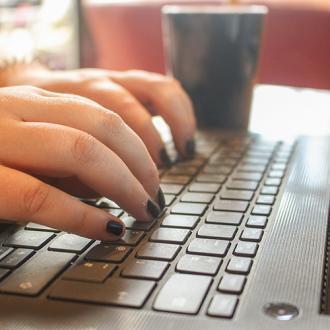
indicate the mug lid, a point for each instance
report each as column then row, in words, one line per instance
column 214, row 9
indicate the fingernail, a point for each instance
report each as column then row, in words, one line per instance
column 153, row 208
column 190, row 147
column 161, row 199
column 114, row 227
column 164, row 157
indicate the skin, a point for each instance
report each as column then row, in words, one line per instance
column 134, row 95
column 55, row 144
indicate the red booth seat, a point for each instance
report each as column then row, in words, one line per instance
column 296, row 48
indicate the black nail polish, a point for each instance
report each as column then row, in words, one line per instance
column 190, row 147
column 114, row 227
column 164, row 157
column 153, row 208
column 161, row 199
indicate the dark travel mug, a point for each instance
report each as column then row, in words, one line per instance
column 213, row 51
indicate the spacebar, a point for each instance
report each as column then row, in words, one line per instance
column 182, row 293
column 31, row 278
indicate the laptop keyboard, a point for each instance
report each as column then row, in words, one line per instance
column 195, row 259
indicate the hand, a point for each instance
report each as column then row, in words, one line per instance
column 135, row 95
column 52, row 144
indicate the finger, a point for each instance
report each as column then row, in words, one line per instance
column 71, row 185
column 70, row 152
column 114, row 97
column 169, row 100
column 104, row 125
column 24, row 198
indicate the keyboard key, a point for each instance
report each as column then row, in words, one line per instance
column 169, row 199
column 145, row 269
column 211, row 247
column 276, row 174
column 4, row 273
column 228, row 205
column 261, row 210
column 197, row 197
column 244, row 185
column 222, row 161
column 246, row 249
column 16, row 258
column 281, row 160
column 257, row 221
column 284, row 153
column 107, row 204
column 232, row 283
column 4, row 251
column 131, row 237
column 195, row 162
column 278, row 166
column 37, row 226
column 174, row 189
column 273, row 182
column 70, row 243
column 223, row 305
column 204, row 187
column 32, row 277
column 247, row 176
column 132, row 223
column 175, row 179
column 266, row 199
column 254, row 161
column 108, row 253
column 158, row 251
column 196, row 264
column 258, row 154
column 29, row 239
column 115, row 291
column 180, row 221
column 89, row 271
column 252, row 234
column 183, row 293
column 170, row 235
column 269, row 190
column 281, row 157
column 226, row 218
column 115, row 212
column 217, row 169
column 251, row 168
column 232, row 154
column 212, row 178
column 184, row 170
column 89, row 201
column 189, row 208
column 217, row 231
column 239, row 265
column 243, row 195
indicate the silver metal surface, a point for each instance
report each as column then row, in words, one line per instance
column 288, row 268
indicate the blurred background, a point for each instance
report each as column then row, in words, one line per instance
column 126, row 34
column 43, row 28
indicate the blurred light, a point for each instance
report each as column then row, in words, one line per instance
column 284, row 112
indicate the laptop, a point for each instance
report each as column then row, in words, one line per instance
column 244, row 243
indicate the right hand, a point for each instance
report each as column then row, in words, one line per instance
column 55, row 144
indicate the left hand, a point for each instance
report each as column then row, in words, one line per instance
column 136, row 96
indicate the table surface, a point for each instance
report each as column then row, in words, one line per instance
column 285, row 112
column 282, row 112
